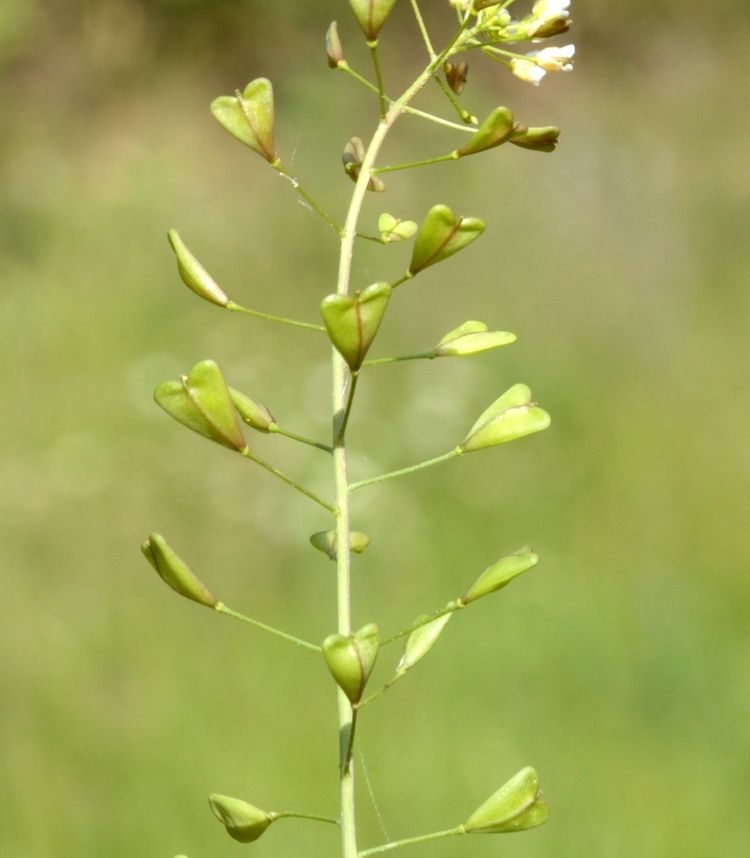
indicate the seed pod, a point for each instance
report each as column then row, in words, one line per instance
column 421, row 641
column 325, row 541
column 243, row 821
column 440, row 235
column 175, row 572
column 455, row 75
column 350, row 658
column 511, row 416
column 200, row 401
column 333, row 46
column 371, row 15
column 193, row 274
column 253, row 413
column 500, row 574
column 537, row 139
column 471, row 338
column 495, row 130
column 516, row 806
column 352, row 321
column 352, row 157
column 392, row 229
column 249, row 116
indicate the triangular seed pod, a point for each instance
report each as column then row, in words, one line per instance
column 333, row 46
column 421, row 641
column 495, row 130
column 254, row 414
column 455, row 75
column 352, row 157
column 249, row 116
column 175, row 572
column 350, row 658
column 511, row 416
column 440, row 235
column 516, row 806
column 352, row 321
column 500, row 574
column 243, row 821
column 371, row 15
column 542, row 139
column 325, row 541
column 471, row 338
column 193, row 274
column 200, row 401
column 392, row 229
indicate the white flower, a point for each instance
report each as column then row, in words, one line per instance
column 527, row 70
column 555, row 59
column 548, row 17
column 550, row 8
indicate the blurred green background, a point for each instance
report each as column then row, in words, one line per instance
column 618, row 668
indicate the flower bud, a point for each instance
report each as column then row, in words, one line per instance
column 249, row 116
column 440, row 235
column 325, row 541
column 500, row 574
column 352, row 157
column 253, row 413
column 511, row 416
column 371, row 15
column 350, row 658
column 471, row 338
column 392, row 229
column 516, row 806
column 243, row 821
column 421, row 641
column 455, row 75
column 175, row 572
column 352, row 321
column 494, row 131
column 333, row 46
column 538, row 139
column 200, row 401
column 193, row 274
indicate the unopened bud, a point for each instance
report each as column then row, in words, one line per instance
column 538, row 139
column 333, row 46
column 243, row 821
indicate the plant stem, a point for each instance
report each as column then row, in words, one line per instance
column 308, row 198
column 423, row 29
column 238, row 308
column 410, row 470
column 288, row 480
column 426, row 162
column 373, row 46
column 222, row 609
column 379, row 361
column 396, row 844
column 275, row 429
column 286, row 814
column 348, row 409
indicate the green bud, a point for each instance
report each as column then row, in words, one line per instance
column 333, row 46
column 371, row 15
column 193, row 274
column 325, row 541
column 243, row 821
column 350, row 658
column 253, row 413
column 249, row 116
column 200, row 401
column 392, row 229
column 470, row 338
column 455, row 75
column 495, row 129
column 421, row 641
column 175, row 572
column 352, row 157
column 511, row 416
column 440, row 235
column 516, row 806
column 352, row 321
column 538, row 139
column 500, row 574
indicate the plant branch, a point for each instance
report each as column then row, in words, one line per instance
column 426, row 162
column 308, row 198
column 396, row 844
column 373, row 46
column 238, row 308
column 403, row 471
column 223, row 609
column 379, row 361
column 288, row 480
column 278, row 430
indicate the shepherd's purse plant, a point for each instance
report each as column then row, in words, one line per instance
column 203, row 400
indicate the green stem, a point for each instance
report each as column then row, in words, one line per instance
column 466, row 117
column 383, row 688
column 223, row 609
column 379, row 361
column 423, row 29
column 403, row 471
column 308, row 198
column 425, row 162
column 289, row 481
column 238, row 308
column 347, row 410
column 373, row 46
column 407, row 275
column 286, row 814
column 396, row 844
column 277, row 430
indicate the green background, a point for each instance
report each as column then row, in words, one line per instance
column 618, row 668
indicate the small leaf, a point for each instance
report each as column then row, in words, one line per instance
column 175, row 572
column 470, row 338
column 352, row 157
column 249, row 116
column 494, row 131
column 500, row 574
column 455, row 75
column 538, row 139
column 325, row 541
column 200, row 401
column 440, row 235
column 253, row 413
column 516, row 806
column 392, row 229
column 371, row 15
column 193, row 274
column 352, row 321
column 350, row 658
column 243, row 821
column 421, row 641
column 333, row 46
column 511, row 416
